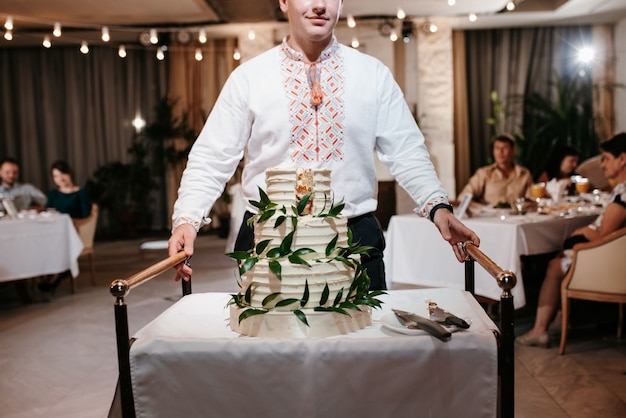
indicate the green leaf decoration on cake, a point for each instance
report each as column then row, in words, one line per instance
column 261, row 246
column 302, row 204
column 305, row 296
column 276, row 268
column 331, row 245
column 251, row 312
column 352, row 299
column 325, row 294
column 301, row 316
column 270, row 298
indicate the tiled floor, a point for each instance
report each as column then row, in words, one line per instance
column 58, row 357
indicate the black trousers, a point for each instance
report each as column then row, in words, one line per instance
column 366, row 230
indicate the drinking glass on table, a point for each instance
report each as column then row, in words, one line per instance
column 519, row 205
column 538, row 190
column 582, row 185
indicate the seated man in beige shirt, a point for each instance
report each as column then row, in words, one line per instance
column 503, row 181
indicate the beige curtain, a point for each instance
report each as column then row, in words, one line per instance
column 195, row 85
column 460, row 118
column 603, row 73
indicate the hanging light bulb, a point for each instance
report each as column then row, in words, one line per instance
column 121, row 51
column 154, row 37
column 251, row 35
column 401, row 14
column 393, row 36
column 84, row 48
column 202, row 36
column 355, row 42
column 510, row 6
column 8, row 35
column 56, row 31
column 351, row 21
column 472, row 17
column 105, row 34
column 46, row 41
column 8, row 24
column 236, row 54
column 198, row 55
column 160, row 54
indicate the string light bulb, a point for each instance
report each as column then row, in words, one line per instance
column 472, row 17
column 401, row 14
column 56, row 30
column 84, row 47
column 393, row 36
column 154, row 37
column 8, row 23
column 236, row 54
column 106, row 37
column 351, row 22
column 202, row 36
column 160, row 54
column 510, row 6
column 355, row 43
column 46, row 41
column 121, row 51
column 8, row 35
column 198, row 55
column 251, row 35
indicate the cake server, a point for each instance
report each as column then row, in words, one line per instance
column 414, row 321
column 444, row 317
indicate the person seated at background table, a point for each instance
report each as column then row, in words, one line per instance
column 24, row 195
column 612, row 218
column 67, row 197
column 561, row 166
column 504, row 180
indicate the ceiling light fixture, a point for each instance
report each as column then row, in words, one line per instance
column 8, row 23
column 236, row 54
column 202, row 36
column 46, row 41
column 84, row 47
column 401, row 14
column 355, row 43
column 121, row 51
column 510, row 6
column 251, row 35
column 472, row 17
column 105, row 34
column 56, row 31
column 154, row 37
column 198, row 54
column 351, row 22
column 8, row 35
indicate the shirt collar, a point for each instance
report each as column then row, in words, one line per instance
column 299, row 56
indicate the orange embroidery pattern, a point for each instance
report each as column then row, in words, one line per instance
column 316, row 130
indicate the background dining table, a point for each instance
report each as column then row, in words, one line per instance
column 37, row 244
column 416, row 254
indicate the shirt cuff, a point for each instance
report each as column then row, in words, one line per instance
column 437, row 207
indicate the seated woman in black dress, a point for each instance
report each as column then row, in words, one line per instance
column 67, row 198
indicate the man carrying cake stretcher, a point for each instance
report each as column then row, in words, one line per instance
column 313, row 103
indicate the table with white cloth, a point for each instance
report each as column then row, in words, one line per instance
column 416, row 254
column 38, row 244
column 189, row 363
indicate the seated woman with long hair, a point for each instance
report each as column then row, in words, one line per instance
column 612, row 218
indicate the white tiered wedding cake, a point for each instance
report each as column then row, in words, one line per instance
column 303, row 278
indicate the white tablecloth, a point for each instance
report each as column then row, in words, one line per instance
column 46, row 244
column 416, row 253
column 188, row 363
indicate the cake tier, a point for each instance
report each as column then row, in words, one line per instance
column 287, row 325
column 311, row 232
column 281, row 188
column 264, row 282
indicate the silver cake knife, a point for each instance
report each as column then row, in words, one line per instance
column 413, row 321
